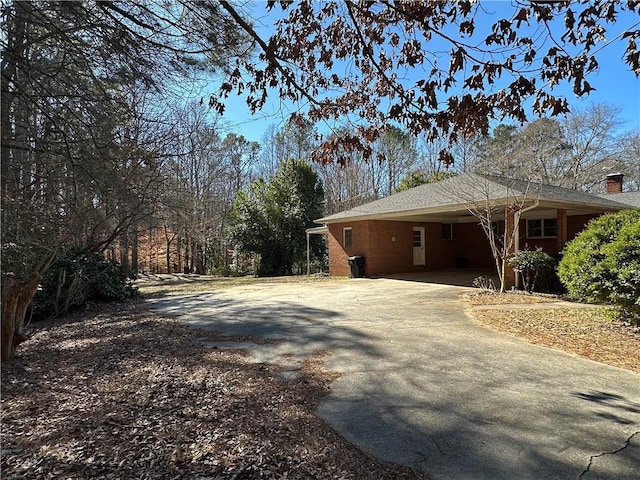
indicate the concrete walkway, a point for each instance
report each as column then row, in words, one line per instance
column 424, row 385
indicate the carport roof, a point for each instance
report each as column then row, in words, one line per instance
column 456, row 194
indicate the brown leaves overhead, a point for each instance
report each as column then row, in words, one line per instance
column 427, row 66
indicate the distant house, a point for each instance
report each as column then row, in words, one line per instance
column 431, row 226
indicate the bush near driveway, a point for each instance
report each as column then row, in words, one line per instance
column 602, row 264
column 533, row 265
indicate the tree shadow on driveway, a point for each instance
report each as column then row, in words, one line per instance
column 425, row 386
column 298, row 330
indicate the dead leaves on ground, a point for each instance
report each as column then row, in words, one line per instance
column 587, row 331
column 124, row 394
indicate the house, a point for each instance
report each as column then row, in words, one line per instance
column 436, row 226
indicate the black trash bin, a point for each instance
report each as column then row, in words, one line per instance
column 462, row 262
column 356, row 266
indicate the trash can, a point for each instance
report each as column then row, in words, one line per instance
column 356, row 267
column 462, row 262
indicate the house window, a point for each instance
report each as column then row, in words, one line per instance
column 347, row 237
column 542, row 228
column 447, row 231
column 417, row 237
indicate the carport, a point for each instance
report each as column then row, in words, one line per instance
column 323, row 230
column 445, row 224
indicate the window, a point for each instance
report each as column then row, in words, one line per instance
column 417, row 237
column 447, row 231
column 347, row 237
column 542, row 228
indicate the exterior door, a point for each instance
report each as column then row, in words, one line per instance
column 418, row 246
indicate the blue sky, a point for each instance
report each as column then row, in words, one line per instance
column 614, row 83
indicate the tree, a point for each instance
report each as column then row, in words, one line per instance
column 270, row 219
column 418, row 178
column 81, row 148
column 630, row 155
column 348, row 180
column 498, row 204
column 594, row 146
column 573, row 151
column 536, row 152
column 396, row 154
column 411, row 181
column 381, row 63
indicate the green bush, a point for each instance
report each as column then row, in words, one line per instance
column 534, row 266
column 75, row 279
column 602, row 264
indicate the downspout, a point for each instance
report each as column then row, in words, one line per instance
column 517, row 232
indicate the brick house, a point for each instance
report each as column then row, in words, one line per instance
column 431, row 227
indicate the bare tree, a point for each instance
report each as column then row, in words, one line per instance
column 575, row 151
column 631, row 160
column 594, row 147
column 76, row 168
column 497, row 203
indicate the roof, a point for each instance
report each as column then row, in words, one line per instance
column 628, row 198
column 317, row 230
column 461, row 191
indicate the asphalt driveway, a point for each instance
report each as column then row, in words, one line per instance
column 424, row 385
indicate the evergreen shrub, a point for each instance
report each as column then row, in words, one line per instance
column 75, row 279
column 602, row 264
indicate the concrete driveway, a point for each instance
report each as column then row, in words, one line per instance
column 424, row 385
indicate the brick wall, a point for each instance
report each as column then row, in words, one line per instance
column 374, row 239
column 576, row 223
column 552, row 246
column 338, row 264
column 471, row 244
column 384, row 255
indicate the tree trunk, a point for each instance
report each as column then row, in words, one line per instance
column 134, row 251
column 124, row 251
column 16, row 297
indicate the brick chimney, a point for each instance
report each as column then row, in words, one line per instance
column 614, row 183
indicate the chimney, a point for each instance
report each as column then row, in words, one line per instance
column 614, row 183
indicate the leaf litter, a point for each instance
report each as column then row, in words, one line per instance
column 589, row 331
column 122, row 393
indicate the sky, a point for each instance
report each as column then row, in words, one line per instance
column 614, row 83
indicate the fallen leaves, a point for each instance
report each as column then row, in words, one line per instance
column 588, row 331
column 124, row 394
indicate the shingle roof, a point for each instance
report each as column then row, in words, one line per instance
column 628, row 198
column 456, row 192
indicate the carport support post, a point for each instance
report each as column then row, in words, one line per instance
column 561, row 224
column 308, row 255
column 510, row 234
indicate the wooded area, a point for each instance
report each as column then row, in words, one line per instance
column 105, row 152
